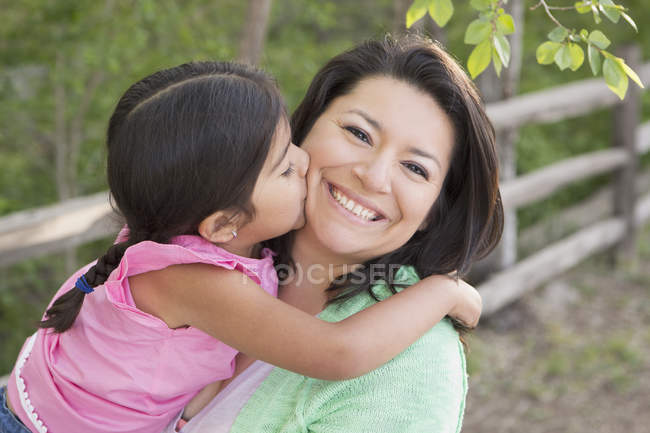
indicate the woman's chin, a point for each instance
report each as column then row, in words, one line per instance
column 339, row 241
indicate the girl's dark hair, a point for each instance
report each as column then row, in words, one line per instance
column 183, row 143
column 466, row 221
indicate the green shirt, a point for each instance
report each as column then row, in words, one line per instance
column 421, row 390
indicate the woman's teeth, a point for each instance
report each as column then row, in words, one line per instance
column 353, row 207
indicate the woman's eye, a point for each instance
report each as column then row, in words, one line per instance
column 416, row 169
column 358, row 133
column 289, row 171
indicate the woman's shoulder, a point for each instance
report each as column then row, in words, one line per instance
column 422, row 389
column 426, row 383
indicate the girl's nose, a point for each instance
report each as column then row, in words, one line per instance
column 374, row 174
column 302, row 162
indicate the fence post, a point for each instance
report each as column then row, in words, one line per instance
column 626, row 122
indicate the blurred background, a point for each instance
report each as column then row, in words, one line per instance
column 565, row 342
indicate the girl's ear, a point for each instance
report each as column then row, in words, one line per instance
column 218, row 228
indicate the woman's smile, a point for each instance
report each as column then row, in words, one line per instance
column 353, row 206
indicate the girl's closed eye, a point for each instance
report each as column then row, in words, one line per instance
column 358, row 133
column 289, row 171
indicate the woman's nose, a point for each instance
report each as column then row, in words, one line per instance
column 303, row 162
column 374, row 174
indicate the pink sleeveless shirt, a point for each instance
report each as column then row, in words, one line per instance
column 119, row 369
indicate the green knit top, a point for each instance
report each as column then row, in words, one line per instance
column 421, row 390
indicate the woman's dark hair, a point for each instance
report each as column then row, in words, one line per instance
column 466, row 221
column 183, row 143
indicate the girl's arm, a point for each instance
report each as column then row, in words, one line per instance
column 232, row 308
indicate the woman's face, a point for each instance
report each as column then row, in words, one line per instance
column 379, row 156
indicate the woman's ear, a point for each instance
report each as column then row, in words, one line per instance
column 220, row 227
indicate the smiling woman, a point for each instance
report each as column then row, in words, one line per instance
column 403, row 175
column 383, row 148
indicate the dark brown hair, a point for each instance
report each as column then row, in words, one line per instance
column 183, row 143
column 466, row 221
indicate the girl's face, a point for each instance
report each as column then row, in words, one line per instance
column 379, row 156
column 279, row 194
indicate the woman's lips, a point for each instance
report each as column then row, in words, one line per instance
column 357, row 211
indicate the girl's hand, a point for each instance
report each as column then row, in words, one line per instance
column 467, row 309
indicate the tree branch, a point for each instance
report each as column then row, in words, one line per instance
column 548, row 8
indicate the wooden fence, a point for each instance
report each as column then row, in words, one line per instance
column 53, row 228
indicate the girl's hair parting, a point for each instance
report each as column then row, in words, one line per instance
column 183, row 143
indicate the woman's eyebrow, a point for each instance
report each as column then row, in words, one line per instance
column 420, row 152
column 375, row 124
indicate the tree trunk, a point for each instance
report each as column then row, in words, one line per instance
column 60, row 131
column 494, row 89
column 252, row 41
column 399, row 15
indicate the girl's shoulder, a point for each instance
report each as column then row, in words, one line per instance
column 187, row 249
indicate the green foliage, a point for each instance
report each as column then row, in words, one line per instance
column 563, row 48
column 480, row 58
column 439, row 10
column 615, row 76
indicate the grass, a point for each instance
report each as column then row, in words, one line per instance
column 579, row 368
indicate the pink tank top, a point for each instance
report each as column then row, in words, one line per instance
column 119, row 369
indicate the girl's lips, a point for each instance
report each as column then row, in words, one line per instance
column 346, row 213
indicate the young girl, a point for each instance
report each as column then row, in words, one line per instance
column 201, row 166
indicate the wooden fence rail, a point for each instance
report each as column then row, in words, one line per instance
column 505, row 287
column 559, row 103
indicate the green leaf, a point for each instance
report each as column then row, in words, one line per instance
column 597, row 18
column 479, row 58
column 594, row 59
column 615, row 77
column 417, row 10
column 599, row 39
column 630, row 72
column 546, row 52
column 558, row 34
column 630, row 20
column 581, row 8
column 563, row 57
column 497, row 62
column 584, row 34
column 481, row 5
column 608, row 8
column 506, row 24
column 502, row 47
column 477, row 32
column 577, row 56
column 441, row 11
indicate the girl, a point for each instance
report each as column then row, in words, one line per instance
column 201, row 166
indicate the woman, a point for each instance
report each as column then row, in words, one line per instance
column 403, row 175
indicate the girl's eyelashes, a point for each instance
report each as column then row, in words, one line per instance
column 289, row 171
column 358, row 133
column 415, row 168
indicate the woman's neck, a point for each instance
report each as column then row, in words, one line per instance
column 316, row 268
